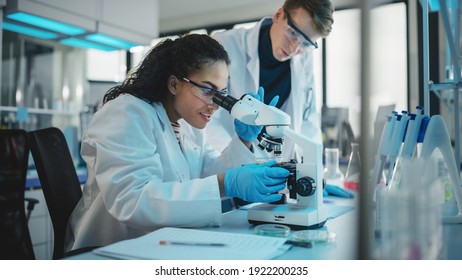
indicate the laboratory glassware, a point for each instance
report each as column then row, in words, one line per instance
column 352, row 178
column 332, row 173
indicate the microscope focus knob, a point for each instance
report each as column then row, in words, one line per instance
column 306, row 186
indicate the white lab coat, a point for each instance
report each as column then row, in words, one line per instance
column 139, row 179
column 242, row 47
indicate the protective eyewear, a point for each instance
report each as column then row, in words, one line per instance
column 294, row 34
column 202, row 92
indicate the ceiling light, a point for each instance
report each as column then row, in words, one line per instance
column 111, row 41
column 435, row 5
column 79, row 43
column 46, row 23
column 29, row 31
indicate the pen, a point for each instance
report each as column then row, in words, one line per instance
column 163, row 242
column 299, row 243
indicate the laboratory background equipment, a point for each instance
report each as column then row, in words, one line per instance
column 304, row 208
column 408, row 206
column 85, row 117
column 336, row 129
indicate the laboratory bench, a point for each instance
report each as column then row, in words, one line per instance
column 344, row 225
column 342, row 248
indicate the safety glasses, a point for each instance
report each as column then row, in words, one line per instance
column 202, row 92
column 294, row 34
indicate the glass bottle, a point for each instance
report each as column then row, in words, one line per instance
column 353, row 170
column 332, row 173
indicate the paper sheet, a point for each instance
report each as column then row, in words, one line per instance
column 238, row 246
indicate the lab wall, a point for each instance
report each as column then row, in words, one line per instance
column 389, row 59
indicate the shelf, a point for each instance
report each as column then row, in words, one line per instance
column 444, row 86
column 451, row 22
column 38, row 111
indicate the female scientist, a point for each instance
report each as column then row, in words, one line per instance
column 149, row 164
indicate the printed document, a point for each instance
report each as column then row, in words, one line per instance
column 191, row 244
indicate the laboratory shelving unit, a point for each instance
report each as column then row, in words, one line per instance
column 449, row 11
column 452, row 86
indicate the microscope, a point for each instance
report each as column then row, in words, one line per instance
column 304, row 208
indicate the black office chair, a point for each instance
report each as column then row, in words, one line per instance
column 58, row 178
column 15, row 240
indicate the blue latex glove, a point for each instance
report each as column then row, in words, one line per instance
column 256, row 182
column 250, row 132
column 337, row 191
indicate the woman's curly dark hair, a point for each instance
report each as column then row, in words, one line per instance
column 185, row 55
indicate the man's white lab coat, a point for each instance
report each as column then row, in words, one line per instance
column 242, row 47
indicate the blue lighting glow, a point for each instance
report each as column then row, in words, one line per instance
column 450, row 4
column 29, row 31
column 46, row 23
column 111, row 41
column 74, row 42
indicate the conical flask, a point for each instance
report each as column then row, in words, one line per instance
column 352, row 178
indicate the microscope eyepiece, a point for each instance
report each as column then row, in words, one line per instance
column 225, row 101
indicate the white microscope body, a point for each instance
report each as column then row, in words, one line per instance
column 304, row 208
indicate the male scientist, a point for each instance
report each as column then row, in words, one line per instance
column 277, row 54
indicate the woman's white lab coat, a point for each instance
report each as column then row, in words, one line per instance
column 242, row 47
column 139, row 179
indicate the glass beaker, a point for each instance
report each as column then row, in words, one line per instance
column 332, row 173
column 353, row 170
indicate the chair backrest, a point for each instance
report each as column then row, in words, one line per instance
column 15, row 240
column 58, row 178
